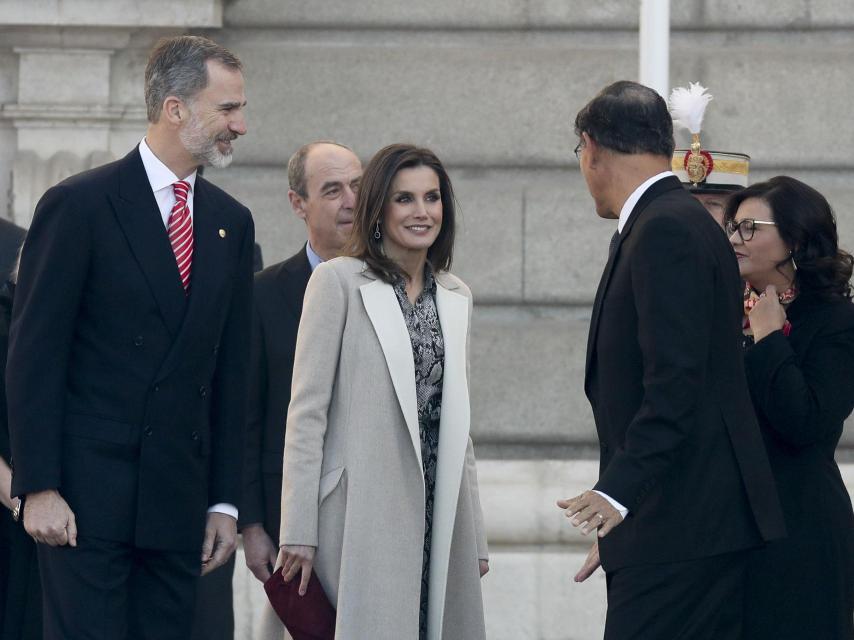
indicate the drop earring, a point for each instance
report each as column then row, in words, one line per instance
column 377, row 234
column 794, row 264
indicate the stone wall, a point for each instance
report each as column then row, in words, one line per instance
column 493, row 88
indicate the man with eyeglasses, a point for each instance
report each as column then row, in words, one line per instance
column 684, row 487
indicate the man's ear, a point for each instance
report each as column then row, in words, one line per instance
column 175, row 111
column 297, row 203
column 592, row 149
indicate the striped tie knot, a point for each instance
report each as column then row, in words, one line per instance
column 181, row 232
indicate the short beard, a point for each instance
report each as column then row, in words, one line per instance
column 202, row 147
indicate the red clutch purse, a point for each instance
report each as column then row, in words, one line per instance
column 308, row 617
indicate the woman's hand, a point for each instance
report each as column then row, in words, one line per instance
column 484, row 567
column 768, row 315
column 294, row 558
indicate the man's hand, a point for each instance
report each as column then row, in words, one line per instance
column 591, row 511
column 591, row 563
column 220, row 541
column 294, row 558
column 768, row 315
column 484, row 567
column 49, row 519
column 259, row 550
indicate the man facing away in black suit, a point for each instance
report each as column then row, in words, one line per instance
column 323, row 178
column 130, row 346
column 684, row 484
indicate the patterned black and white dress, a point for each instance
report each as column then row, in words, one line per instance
column 428, row 351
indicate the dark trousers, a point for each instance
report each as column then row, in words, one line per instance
column 104, row 590
column 694, row 600
column 214, row 618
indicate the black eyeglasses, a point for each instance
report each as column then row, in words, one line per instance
column 578, row 149
column 745, row 228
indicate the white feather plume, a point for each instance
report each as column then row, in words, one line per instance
column 687, row 106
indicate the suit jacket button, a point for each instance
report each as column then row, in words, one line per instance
column 138, row 341
column 216, row 349
column 148, row 431
column 203, row 391
column 195, row 435
column 156, row 388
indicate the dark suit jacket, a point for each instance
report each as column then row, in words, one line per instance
column 680, row 446
column 279, row 291
column 126, row 394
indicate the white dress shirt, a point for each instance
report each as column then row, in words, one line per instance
column 313, row 258
column 161, row 179
column 625, row 214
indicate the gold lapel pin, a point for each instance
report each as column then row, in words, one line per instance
column 222, row 233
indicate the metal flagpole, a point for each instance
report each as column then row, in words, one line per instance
column 655, row 45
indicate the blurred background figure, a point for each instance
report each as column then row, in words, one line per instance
column 799, row 335
column 711, row 176
column 20, row 591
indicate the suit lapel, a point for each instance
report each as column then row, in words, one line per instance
column 293, row 279
column 384, row 312
column 139, row 217
column 209, row 271
column 453, row 440
column 665, row 184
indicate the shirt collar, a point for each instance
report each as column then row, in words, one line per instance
column 629, row 205
column 313, row 258
column 159, row 175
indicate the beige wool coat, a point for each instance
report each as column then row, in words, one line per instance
column 353, row 484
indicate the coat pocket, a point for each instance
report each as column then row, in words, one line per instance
column 329, row 481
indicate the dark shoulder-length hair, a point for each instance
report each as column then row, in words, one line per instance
column 374, row 193
column 807, row 226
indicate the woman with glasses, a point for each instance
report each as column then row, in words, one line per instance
column 799, row 340
column 379, row 492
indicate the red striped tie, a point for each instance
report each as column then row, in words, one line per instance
column 181, row 232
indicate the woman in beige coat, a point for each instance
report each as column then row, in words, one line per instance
column 379, row 494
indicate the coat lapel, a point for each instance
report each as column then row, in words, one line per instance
column 384, row 312
column 453, row 439
column 209, row 272
column 139, row 217
column 657, row 188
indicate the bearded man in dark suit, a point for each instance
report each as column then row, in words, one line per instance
column 129, row 345
column 684, row 486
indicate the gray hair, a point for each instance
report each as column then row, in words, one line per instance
column 178, row 67
column 297, row 180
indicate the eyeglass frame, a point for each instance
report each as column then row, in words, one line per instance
column 731, row 227
column 578, row 149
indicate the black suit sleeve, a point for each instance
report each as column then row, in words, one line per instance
column 804, row 402
column 229, row 383
column 252, row 505
column 672, row 280
column 51, row 280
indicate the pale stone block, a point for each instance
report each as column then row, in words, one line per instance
column 500, row 100
column 152, row 13
column 518, row 499
column 529, row 594
column 44, row 76
column 552, row 14
column 527, row 375
column 49, row 139
column 566, row 243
